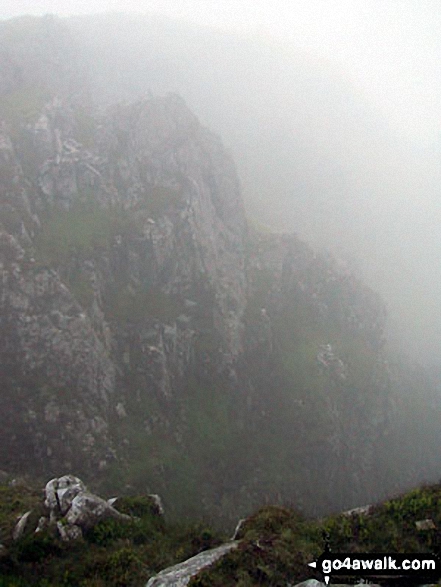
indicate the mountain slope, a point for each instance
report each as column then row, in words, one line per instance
column 150, row 337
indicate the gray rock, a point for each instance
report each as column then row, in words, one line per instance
column 158, row 502
column 425, row 525
column 69, row 532
column 73, row 509
column 61, row 492
column 21, row 526
column 120, row 410
column 179, row 575
column 87, row 510
column 239, row 526
column 364, row 510
column 308, row 583
column 43, row 523
column 315, row 583
column 190, row 304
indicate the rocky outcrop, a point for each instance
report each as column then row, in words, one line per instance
column 71, row 510
column 61, row 492
column 68, row 499
column 48, row 349
column 179, row 575
column 70, row 314
column 316, row 332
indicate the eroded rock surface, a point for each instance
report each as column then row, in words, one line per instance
column 21, row 526
column 73, row 509
column 180, row 575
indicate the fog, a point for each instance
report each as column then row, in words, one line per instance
column 332, row 112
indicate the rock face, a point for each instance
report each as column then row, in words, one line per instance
column 180, row 575
column 146, row 329
column 58, row 305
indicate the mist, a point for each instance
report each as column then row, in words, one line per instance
column 331, row 110
column 225, row 339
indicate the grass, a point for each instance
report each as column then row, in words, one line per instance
column 194, row 453
column 156, row 200
column 113, row 553
column 15, row 501
column 124, row 304
column 83, row 231
column 276, row 543
column 22, row 106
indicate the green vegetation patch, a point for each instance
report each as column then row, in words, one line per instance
column 84, row 231
column 276, row 544
column 14, row 502
column 22, row 106
column 391, row 526
column 157, row 199
column 132, row 305
column 114, row 553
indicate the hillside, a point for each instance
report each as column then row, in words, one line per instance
column 151, row 339
column 272, row 547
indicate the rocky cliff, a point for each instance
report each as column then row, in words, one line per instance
column 151, row 338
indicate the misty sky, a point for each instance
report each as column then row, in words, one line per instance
column 389, row 48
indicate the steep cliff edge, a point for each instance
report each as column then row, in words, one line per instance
column 151, row 339
column 117, row 249
column 146, row 330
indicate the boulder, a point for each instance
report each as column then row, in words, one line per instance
column 238, row 528
column 425, row 525
column 315, row 583
column 180, row 575
column 73, row 509
column 158, row 503
column 43, row 524
column 61, row 492
column 87, row 510
column 364, row 510
column 68, row 532
column 21, row 525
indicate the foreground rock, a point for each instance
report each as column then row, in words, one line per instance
column 180, row 575
column 68, row 498
column 21, row 526
column 364, row 510
column 315, row 583
column 71, row 509
column 61, row 492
